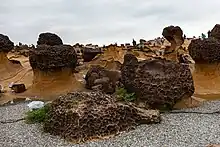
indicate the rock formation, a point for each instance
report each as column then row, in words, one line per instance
column 53, row 68
column 49, row 39
column 79, row 117
column 215, row 32
column 90, row 53
column 205, row 51
column 159, row 83
column 8, row 68
column 101, row 79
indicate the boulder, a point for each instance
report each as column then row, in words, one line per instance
column 205, row 51
column 6, row 44
column 83, row 116
column 215, row 32
column 159, row 83
column 18, row 88
column 90, row 53
column 99, row 78
column 174, row 35
column 49, row 39
column 57, row 57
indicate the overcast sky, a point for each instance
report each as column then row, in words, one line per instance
column 104, row 21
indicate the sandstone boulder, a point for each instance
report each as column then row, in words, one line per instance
column 101, row 79
column 79, row 117
column 6, row 44
column 49, row 39
column 205, row 51
column 215, row 32
column 159, row 83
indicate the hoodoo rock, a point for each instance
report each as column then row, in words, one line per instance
column 101, row 79
column 215, row 32
column 53, row 68
column 6, row 44
column 90, row 53
column 49, row 39
column 159, row 83
column 79, row 117
column 174, row 35
column 205, row 51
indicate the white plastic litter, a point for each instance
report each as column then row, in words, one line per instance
column 35, row 105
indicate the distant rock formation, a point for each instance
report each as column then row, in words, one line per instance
column 90, row 53
column 49, row 39
column 100, row 79
column 215, row 32
column 205, row 51
column 83, row 116
column 159, row 83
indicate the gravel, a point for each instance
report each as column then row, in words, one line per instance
column 175, row 130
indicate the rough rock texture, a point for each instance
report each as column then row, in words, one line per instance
column 174, row 35
column 205, row 51
column 49, row 39
column 6, row 44
column 159, row 83
column 82, row 116
column 89, row 53
column 101, row 79
column 215, row 32
column 49, row 58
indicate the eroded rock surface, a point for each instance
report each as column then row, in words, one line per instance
column 157, row 82
column 6, row 44
column 82, row 116
column 215, row 32
column 101, row 79
column 90, row 53
column 49, row 39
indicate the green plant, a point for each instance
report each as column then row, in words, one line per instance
column 38, row 115
column 203, row 36
column 124, row 95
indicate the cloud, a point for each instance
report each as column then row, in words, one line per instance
column 104, row 21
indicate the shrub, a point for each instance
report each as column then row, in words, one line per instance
column 123, row 95
column 38, row 115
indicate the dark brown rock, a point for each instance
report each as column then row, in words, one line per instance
column 18, row 88
column 98, row 75
column 90, row 53
column 79, row 117
column 6, row 44
column 157, row 82
column 49, row 39
column 49, row 58
column 205, row 51
column 215, row 32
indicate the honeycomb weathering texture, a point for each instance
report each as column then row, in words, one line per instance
column 6, row 44
column 157, row 82
column 106, row 79
column 215, row 32
column 49, row 39
column 49, row 58
column 173, row 34
column 90, row 115
column 205, row 51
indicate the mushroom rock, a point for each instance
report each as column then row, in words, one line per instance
column 90, row 53
column 175, row 36
column 101, row 79
column 159, row 83
column 49, row 39
column 8, row 69
column 206, row 54
column 83, row 116
column 215, row 32
column 53, row 68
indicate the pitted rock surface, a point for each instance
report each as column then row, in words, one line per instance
column 79, row 117
column 49, row 58
column 49, row 39
column 6, row 44
column 90, row 53
column 157, row 82
column 99, row 78
column 174, row 35
column 205, row 51
column 215, row 32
